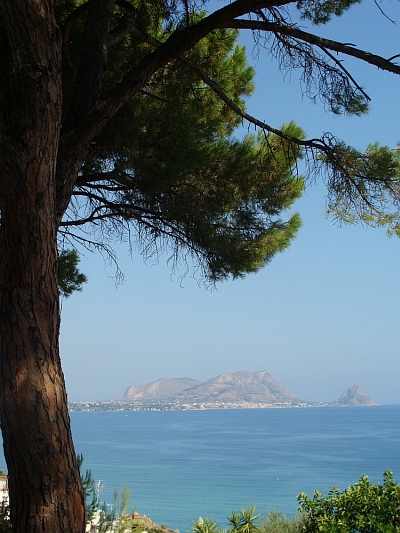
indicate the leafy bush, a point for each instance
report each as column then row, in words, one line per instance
column 361, row 508
column 278, row 523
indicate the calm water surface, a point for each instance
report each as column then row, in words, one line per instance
column 183, row 464
column 180, row 465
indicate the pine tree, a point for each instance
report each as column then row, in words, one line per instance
column 118, row 119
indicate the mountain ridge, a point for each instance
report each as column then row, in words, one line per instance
column 162, row 388
column 232, row 388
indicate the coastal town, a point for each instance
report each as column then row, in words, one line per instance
column 159, row 405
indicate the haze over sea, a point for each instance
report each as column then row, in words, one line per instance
column 180, row 465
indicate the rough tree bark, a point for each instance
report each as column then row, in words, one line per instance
column 44, row 483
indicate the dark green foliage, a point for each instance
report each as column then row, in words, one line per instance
column 361, row 508
column 166, row 172
column 321, row 11
column 70, row 279
column 244, row 521
column 166, row 168
column 171, row 168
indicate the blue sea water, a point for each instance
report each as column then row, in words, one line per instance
column 180, row 465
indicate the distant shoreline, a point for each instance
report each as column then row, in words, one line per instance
column 123, row 406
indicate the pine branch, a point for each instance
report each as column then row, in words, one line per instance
column 347, row 73
column 178, row 43
column 292, row 31
column 73, row 144
column 311, row 143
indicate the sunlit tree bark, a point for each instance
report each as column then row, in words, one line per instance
column 44, row 483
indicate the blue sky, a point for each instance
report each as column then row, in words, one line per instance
column 320, row 317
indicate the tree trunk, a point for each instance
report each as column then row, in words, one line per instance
column 45, row 489
column 44, row 484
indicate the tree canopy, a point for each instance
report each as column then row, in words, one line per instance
column 168, row 167
column 166, row 171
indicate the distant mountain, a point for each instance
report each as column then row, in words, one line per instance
column 163, row 388
column 355, row 396
column 237, row 388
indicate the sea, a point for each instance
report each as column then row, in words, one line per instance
column 179, row 465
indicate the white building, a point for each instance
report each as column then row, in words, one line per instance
column 4, row 490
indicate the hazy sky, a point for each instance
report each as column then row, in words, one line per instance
column 324, row 315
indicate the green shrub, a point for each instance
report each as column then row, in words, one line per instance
column 247, row 521
column 244, row 521
column 278, row 523
column 206, row 525
column 361, row 508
